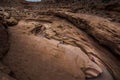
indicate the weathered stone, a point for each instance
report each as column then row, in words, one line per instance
column 71, row 56
column 11, row 22
column 56, row 49
column 3, row 41
column 102, row 30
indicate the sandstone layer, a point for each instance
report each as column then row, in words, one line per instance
column 54, row 40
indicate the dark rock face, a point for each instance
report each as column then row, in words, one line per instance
column 4, row 46
column 5, row 21
column 3, row 40
column 4, row 76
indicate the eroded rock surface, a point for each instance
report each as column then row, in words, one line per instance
column 57, row 44
column 104, row 31
column 59, row 48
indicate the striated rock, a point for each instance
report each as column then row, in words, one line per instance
column 57, row 50
column 53, row 44
column 102, row 30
